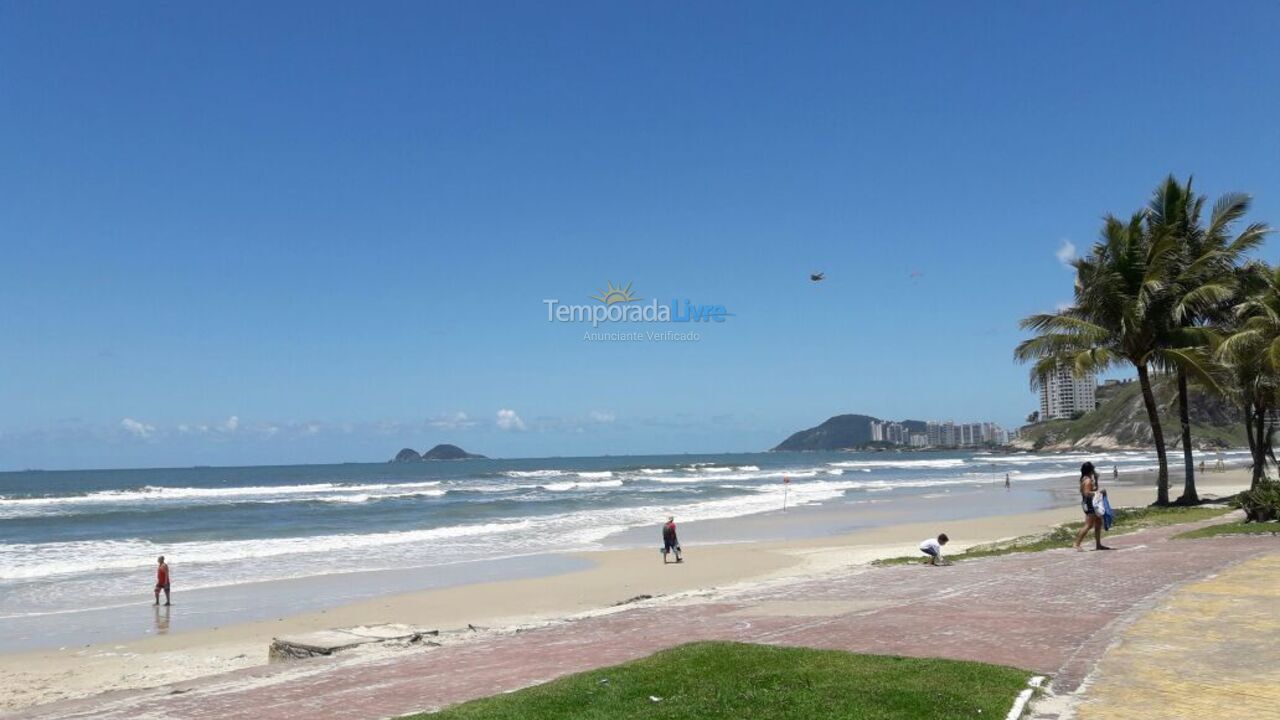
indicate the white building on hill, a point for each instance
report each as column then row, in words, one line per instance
column 1062, row 394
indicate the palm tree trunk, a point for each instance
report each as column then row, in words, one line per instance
column 1157, row 435
column 1189, row 496
column 1253, row 442
column 1260, row 455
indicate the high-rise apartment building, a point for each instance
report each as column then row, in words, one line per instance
column 1063, row 394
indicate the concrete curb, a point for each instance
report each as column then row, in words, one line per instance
column 1020, row 702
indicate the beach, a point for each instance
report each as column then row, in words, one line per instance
column 567, row 584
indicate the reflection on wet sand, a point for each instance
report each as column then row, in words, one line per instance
column 162, row 619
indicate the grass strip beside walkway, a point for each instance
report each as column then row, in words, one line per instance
column 713, row 680
column 1127, row 520
column 1239, row 527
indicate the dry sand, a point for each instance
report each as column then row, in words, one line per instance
column 32, row 678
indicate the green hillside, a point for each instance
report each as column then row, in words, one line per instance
column 1121, row 421
column 841, row 432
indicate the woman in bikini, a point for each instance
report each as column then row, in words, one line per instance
column 1088, row 489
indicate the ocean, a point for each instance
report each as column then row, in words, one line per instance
column 84, row 541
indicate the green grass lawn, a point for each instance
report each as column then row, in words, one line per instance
column 711, row 680
column 1233, row 528
column 1127, row 520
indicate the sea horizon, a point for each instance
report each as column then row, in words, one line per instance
column 992, row 450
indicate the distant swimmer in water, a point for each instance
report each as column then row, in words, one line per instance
column 670, row 544
column 162, row 580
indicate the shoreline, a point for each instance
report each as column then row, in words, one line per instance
column 602, row 580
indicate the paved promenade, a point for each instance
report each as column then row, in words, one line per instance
column 1209, row 650
column 1053, row 613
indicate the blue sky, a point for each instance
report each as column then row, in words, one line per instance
column 242, row 233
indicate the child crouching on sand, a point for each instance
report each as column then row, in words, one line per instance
column 933, row 548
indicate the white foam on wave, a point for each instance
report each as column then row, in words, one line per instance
column 209, row 563
column 11, row 508
column 220, row 562
column 655, row 471
column 533, row 473
column 730, row 474
column 27, row 561
column 601, row 474
column 491, row 488
column 369, row 497
column 580, row 485
column 937, row 463
column 161, row 492
column 1047, row 475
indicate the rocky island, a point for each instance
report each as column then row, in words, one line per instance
column 444, row 451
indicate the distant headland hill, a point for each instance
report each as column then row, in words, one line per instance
column 842, row 432
column 443, row 451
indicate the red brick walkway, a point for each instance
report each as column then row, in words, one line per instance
column 1053, row 613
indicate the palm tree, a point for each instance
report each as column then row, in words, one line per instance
column 1202, row 277
column 1251, row 352
column 1120, row 311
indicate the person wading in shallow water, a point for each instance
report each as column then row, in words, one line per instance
column 669, row 541
column 162, row 580
column 1088, row 495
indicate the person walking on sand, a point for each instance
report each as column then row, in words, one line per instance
column 162, row 580
column 1006, row 481
column 1088, row 494
column 933, row 548
column 670, row 544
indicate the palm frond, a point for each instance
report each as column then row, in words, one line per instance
column 1197, row 365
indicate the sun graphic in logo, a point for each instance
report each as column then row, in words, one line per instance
column 618, row 294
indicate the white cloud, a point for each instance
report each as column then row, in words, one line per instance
column 509, row 420
column 455, row 421
column 602, row 416
column 138, row 429
column 1066, row 252
column 231, row 424
column 387, row 427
